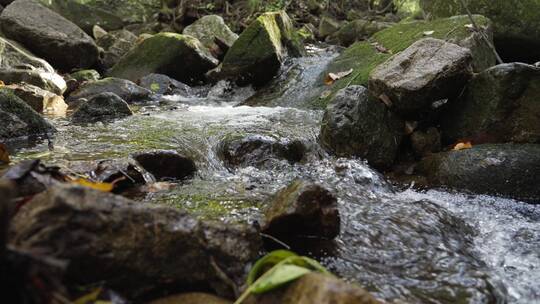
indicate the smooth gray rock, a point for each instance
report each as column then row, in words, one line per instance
column 102, row 107
column 125, row 89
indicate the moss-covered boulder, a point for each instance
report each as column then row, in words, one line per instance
column 516, row 23
column 127, row 90
column 18, row 119
column 103, row 107
column 501, row 104
column 358, row 30
column 509, row 170
column 49, row 35
column 15, row 56
column 417, row 79
column 84, row 16
column 46, row 80
column 179, row 56
column 259, row 51
column 363, row 57
column 213, row 33
column 356, row 125
column 85, row 75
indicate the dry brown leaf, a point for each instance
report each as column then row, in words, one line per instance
column 386, row 100
column 462, row 146
column 333, row 77
column 4, row 154
column 380, row 48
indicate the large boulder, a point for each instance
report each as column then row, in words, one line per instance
column 516, row 23
column 19, row 119
column 302, row 209
column 45, row 80
column 125, row 89
column 259, row 51
column 501, row 104
column 509, row 170
column 259, row 151
column 84, row 16
column 428, row 71
column 48, row 35
column 316, row 288
column 179, row 56
column 102, row 107
column 115, row 45
column 15, row 56
column 134, row 247
column 356, row 125
column 363, row 57
column 212, row 31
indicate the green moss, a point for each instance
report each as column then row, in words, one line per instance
column 364, row 56
column 178, row 56
column 85, row 75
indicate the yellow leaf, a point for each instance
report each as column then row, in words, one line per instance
column 88, row 298
column 2, row 83
column 463, row 146
column 4, row 154
column 105, row 187
column 333, row 77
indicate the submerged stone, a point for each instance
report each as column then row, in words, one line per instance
column 181, row 57
column 103, row 107
column 48, row 35
column 302, row 209
column 135, row 247
column 427, row 72
column 508, row 170
column 501, row 104
column 356, row 125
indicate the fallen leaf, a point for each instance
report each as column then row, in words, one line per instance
column 428, row 33
column 386, row 100
column 4, row 154
column 2, row 83
column 333, row 77
column 104, row 187
column 462, row 146
column 380, row 48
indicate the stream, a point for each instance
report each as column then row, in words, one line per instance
column 405, row 246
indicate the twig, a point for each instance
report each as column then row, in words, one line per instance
column 275, row 240
column 482, row 34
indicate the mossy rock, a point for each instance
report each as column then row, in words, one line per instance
column 19, row 119
column 516, row 23
column 364, row 56
column 131, row 11
column 179, row 56
column 85, row 75
column 259, row 51
column 209, row 28
column 85, row 16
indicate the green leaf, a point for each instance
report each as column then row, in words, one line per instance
column 267, row 262
column 277, row 277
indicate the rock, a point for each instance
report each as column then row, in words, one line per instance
column 365, row 56
column 259, row 51
column 425, row 73
column 102, row 107
column 191, row 298
column 125, row 89
column 135, row 247
column 85, row 75
column 358, row 30
column 115, row 45
column 125, row 174
column 84, row 16
column 47, row 81
column 317, row 288
column 15, row 56
column 210, row 29
column 166, row 165
column 164, row 85
column 516, row 24
column 328, row 26
column 130, row 11
column 356, row 125
column 302, row 209
column 19, row 119
column 48, row 35
column 500, row 104
column 40, row 100
column 181, row 57
column 509, row 170
column 259, row 151
column 426, row 142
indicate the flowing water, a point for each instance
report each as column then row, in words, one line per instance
column 406, row 246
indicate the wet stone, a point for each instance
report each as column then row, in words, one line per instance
column 103, row 107
column 125, row 89
column 166, row 165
